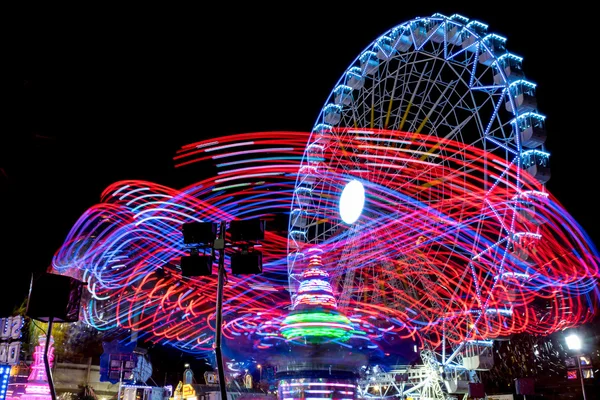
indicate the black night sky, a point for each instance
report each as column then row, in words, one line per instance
column 111, row 94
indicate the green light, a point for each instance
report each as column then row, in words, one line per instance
column 317, row 333
column 316, row 317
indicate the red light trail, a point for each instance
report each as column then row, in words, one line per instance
column 435, row 250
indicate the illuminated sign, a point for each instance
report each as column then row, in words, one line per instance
column 210, row 378
column 248, row 381
column 117, row 362
column 587, row 373
column 184, row 391
column 188, row 391
column 10, row 335
column 4, row 373
column 585, row 361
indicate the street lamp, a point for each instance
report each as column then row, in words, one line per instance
column 574, row 343
column 259, row 372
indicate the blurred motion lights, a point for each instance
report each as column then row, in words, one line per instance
column 135, row 230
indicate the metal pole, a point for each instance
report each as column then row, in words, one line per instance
column 581, row 377
column 219, row 318
column 120, row 380
column 46, row 361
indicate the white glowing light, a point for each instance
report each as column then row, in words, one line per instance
column 352, row 201
column 573, row 342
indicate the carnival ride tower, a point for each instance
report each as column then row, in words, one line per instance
column 37, row 387
column 318, row 364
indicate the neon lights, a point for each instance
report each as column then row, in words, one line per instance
column 10, row 343
column 4, row 374
column 37, row 387
column 316, row 389
column 315, row 318
column 419, row 231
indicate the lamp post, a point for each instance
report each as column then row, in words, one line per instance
column 203, row 236
column 574, row 343
column 259, row 372
column 220, row 245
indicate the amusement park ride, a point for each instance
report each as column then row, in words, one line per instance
column 418, row 221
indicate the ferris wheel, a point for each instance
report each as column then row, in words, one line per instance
column 412, row 180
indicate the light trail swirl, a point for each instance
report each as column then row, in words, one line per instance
column 421, row 266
